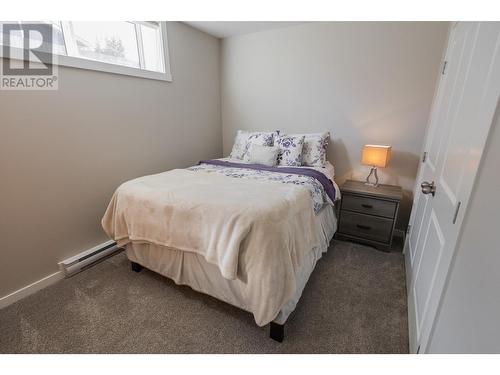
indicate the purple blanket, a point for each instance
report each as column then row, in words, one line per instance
column 322, row 179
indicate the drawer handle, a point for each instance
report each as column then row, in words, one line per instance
column 366, row 205
column 361, row 226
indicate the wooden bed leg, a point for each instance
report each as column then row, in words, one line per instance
column 136, row 267
column 277, row 331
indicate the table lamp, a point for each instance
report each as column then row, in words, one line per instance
column 375, row 156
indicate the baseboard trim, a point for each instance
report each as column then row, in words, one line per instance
column 30, row 289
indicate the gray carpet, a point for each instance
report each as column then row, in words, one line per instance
column 355, row 302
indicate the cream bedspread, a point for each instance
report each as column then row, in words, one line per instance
column 191, row 269
column 241, row 226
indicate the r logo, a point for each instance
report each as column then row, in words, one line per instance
column 41, row 34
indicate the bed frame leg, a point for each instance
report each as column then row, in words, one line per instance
column 277, row 331
column 136, row 267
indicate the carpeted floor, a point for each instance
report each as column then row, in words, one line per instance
column 354, row 302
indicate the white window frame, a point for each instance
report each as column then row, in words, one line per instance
column 82, row 63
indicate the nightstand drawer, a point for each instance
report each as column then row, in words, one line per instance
column 366, row 226
column 369, row 206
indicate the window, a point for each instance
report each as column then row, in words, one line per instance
column 122, row 47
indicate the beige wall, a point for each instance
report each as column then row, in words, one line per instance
column 468, row 319
column 62, row 153
column 365, row 82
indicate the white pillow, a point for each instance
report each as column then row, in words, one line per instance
column 266, row 155
column 244, row 139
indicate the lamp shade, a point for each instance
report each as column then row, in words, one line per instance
column 376, row 155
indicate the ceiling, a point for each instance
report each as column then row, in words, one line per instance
column 225, row 29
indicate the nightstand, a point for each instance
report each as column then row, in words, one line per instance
column 368, row 214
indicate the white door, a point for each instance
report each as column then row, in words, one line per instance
column 461, row 117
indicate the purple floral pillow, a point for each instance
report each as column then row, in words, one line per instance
column 314, row 150
column 290, row 150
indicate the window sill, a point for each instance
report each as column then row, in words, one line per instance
column 81, row 63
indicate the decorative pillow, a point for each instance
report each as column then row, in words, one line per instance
column 245, row 139
column 290, row 147
column 314, row 150
column 266, row 155
column 240, row 144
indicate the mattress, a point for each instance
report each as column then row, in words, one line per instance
column 246, row 234
column 191, row 269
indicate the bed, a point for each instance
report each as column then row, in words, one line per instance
column 244, row 233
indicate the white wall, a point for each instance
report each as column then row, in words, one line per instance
column 469, row 317
column 62, row 153
column 366, row 82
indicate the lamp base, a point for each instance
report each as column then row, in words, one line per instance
column 373, row 172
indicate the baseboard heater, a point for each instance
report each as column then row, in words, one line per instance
column 86, row 258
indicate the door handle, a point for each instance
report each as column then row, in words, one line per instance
column 428, row 188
